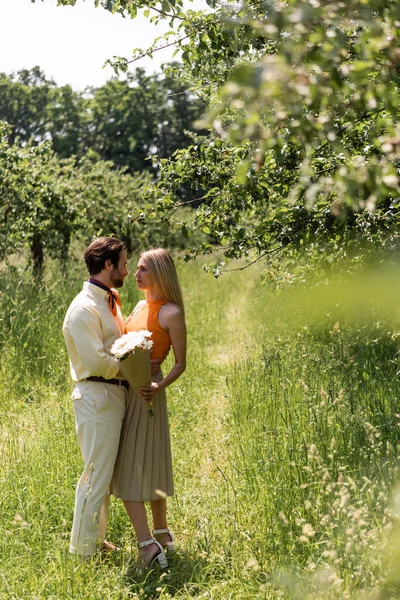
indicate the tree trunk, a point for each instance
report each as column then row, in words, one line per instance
column 37, row 255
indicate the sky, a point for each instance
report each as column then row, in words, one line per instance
column 71, row 44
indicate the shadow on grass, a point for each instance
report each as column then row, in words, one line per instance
column 184, row 572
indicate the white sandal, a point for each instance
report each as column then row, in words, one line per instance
column 159, row 557
column 170, row 547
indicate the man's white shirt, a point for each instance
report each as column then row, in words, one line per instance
column 90, row 329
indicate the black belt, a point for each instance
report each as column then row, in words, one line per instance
column 122, row 382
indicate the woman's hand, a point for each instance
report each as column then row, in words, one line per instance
column 149, row 391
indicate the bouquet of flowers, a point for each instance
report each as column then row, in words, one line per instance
column 133, row 352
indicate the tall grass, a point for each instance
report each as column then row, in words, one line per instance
column 284, row 438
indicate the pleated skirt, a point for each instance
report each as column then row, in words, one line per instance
column 143, row 469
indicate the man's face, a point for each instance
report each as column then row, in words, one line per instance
column 118, row 273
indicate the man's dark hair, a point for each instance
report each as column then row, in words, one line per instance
column 102, row 249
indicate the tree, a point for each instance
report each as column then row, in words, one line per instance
column 304, row 135
column 144, row 115
column 125, row 122
column 69, row 121
column 45, row 201
column 23, row 100
column 37, row 110
column 35, row 211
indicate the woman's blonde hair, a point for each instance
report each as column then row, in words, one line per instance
column 163, row 275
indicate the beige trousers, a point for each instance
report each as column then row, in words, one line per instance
column 99, row 411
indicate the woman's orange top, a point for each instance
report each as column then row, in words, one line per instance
column 147, row 318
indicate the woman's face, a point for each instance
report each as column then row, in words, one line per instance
column 142, row 276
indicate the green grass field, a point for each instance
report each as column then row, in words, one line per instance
column 285, row 433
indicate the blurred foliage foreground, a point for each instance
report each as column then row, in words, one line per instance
column 285, row 432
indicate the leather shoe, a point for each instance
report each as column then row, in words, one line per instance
column 108, row 548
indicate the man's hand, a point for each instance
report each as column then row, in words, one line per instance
column 155, row 366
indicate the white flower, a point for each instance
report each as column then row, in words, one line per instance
column 129, row 342
column 148, row 344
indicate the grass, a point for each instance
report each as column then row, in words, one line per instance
column 285, row 443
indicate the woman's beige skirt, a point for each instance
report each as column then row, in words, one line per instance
column 143, row 469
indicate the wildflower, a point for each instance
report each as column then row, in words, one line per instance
column 335, row 328
column 326, row 477
column 252, row 564
column 362, row 523
column 303, row 539
column 312, row 450
column 332, row 554
column 308, row 530
column 305, row 386
column 283, row 518
column 344, row 499
column 18, row 520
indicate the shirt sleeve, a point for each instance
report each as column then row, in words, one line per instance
column 86, row 332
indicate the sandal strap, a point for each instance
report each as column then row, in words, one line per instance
column 148, row 543
column 157, row 531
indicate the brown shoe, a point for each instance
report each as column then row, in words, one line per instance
column 108, row 547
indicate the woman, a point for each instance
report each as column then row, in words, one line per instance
column 143, row 471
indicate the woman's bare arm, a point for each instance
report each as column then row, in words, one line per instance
column 173, row 321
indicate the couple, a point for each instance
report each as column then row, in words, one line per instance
column 123, row 447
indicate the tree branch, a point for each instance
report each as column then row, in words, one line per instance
column 359, row 119
column 268, row 252
column 164, row 14
column 151, row 51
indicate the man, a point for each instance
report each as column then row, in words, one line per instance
column 92, row 323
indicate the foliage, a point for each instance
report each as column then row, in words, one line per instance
column 37, row 110
column 45, row 202
column 305, row 122
column 144, row 115
column 35, row 207
column 125, row 122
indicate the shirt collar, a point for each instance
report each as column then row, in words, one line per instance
column 94, row 289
